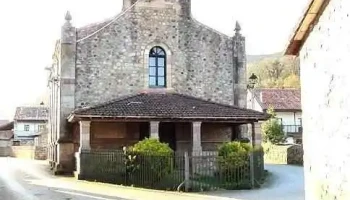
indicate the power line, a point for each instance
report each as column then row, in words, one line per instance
column 113, row 20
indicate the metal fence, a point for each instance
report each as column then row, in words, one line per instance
column 179, row 171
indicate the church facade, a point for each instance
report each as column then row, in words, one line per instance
column 105, row 75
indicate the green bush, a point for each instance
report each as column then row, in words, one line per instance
column 149, row 161
column 272, row 129
column 233, row 165
column 234, row 154
column 152, row 147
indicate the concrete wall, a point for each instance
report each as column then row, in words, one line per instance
column 325, row 95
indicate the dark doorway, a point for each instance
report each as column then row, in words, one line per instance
column 144, row 130
column 167, row 134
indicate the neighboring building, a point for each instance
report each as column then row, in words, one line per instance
column 6, row 137
column 285, row 102
column 28, row 122
column 2, row 122
column 151, row 70
column 322, row 42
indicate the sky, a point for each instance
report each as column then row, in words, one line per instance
column 29, row 30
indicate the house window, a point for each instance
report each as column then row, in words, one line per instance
column 26, row 127
column 157, row 67
column 41, row 127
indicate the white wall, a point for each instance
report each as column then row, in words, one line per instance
column 325, row 91
column 289, row 118
column 253, row 103
column 5, row 143
column 19, row 130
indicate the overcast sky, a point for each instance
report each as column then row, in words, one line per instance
column 29, row 30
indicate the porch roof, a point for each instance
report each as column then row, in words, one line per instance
column 166, row 106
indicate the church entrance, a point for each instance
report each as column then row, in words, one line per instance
column 167, row 134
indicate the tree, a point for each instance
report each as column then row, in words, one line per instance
column 276, row 72
column 272, row 129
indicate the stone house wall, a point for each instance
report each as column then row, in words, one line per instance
column 92, row 67
column 116, row 58
column 325, row 103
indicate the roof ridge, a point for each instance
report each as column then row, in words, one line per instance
column 213, row 102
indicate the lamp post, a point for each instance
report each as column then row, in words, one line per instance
column 253, row 80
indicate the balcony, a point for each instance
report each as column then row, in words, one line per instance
column 291, row 130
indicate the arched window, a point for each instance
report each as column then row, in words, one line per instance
column 157, row 66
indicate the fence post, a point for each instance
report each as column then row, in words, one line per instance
column 187, row 171
column 252, row 175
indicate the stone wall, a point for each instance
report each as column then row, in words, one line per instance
column 284, row 154
column 116, row 58
column 325, row 102
column 92, row 67
column 40, row 153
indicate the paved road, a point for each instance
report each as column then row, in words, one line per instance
column 30, row 180
column 286, row 183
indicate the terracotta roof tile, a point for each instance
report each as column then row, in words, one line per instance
column 169, row 106
column 279, row 99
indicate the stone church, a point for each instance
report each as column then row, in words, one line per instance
column 151, row 71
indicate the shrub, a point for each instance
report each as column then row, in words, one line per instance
column 233, row 164
column 272, row 129
column 149, row 159
column 234, row 154
column 152, row 147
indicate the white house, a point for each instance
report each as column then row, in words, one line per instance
column 29, row 122
column 286, row 103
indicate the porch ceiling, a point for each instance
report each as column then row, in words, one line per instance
column 166, row 107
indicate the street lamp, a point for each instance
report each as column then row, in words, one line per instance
column 253, row 80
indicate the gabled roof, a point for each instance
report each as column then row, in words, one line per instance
column 32, row 113
column 7, row 126
column 279, row 99
column 166, row 106
column 305, row 25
